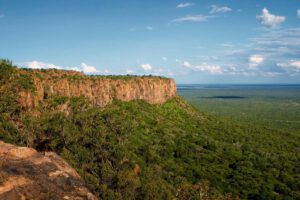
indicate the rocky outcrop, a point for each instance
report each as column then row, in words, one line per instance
column 100, row 90
column 27, row 174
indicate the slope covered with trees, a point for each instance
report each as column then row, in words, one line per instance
column 135, row 150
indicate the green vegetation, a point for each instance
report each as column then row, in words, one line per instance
column 125, row 77
column 134, row 150
column 276, row 107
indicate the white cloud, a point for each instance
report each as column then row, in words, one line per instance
column 186, row 64
column 164, row 58
column 149, row 28
column 184, row 5
column 270, row 20
column 255, row 60
column 40, row 65
column 88, row 69
column 146, row 67
column 295, row 63
column 227, row 45
column 292, row 63
column 204, row 67
column 298, row 13
column 191, row 18
column 219, row 9
column 129, row 71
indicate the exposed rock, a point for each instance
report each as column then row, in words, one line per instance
column 100, row 90
column 27, row 174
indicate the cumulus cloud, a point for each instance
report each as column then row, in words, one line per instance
column 204, row 67
column 255, row 60
column 298, row 13
column 88, row 69
column 184, row 5
column 292, row 63
column 270, row 20
column 39, row 65
column 146, row 67
column 219, row 9
column 191, row 18
column 149, row 28
column 186, row 64
column 295, row 63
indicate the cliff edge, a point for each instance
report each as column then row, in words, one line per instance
column 27, row 174
column 100, row 90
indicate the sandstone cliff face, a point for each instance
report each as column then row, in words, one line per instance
column 99, row 90
column 27, row 174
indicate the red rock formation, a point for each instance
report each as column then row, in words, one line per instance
column 27, row 174
column 100, row 90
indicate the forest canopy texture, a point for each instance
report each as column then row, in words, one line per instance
column 135, row 150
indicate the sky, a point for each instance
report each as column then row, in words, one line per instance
column 196, row 41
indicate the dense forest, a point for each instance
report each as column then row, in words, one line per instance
column 135, row 150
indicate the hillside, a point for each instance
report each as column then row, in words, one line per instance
column 142, row 150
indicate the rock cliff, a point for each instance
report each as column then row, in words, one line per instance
column 100, row 90
column 27, row 174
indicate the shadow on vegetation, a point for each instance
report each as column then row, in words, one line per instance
column 225, row 97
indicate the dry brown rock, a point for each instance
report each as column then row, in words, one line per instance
column 100, row 90
column 27, row 174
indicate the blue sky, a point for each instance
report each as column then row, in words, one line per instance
column 200, row 41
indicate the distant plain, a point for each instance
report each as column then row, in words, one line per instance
column 270, row 106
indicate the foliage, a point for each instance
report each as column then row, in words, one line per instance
column 134, row 150
column 176, row 148
column 275, row 106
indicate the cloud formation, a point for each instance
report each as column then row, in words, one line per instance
column 149, row 28
column 191, row 18
column 204, row 67
column 219, row 9
column 255, row 60
column 184, row 5
column 298, row 13
column 88, row 69
column 295, row 63
column 270, row 20
column 146, row 67
column 40, row 65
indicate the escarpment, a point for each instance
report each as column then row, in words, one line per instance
column 100, row 90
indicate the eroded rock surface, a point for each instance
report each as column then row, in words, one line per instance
column 100, row 90
column 28, row 174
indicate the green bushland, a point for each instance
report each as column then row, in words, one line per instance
column 274, row 106
column 134, row 150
